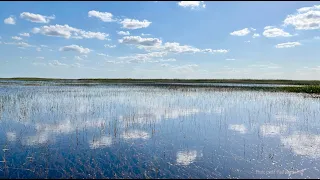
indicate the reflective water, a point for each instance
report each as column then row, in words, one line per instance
column 148, row 132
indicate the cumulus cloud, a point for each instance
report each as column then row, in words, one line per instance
column 270, row 31
column 192, row 4
column 101, row 54
column 137, row 40
column 38, row 49
column 215, row 51
column 288, row 45
column 109, row 46
column 123, row 33
column 242, row 32
column 230, row 59
column 19, row 44
column 139, row 58
column 57, row 63
column 10, row 20
column 37, row 18
column 103, row 16
column 75, row 48
column 67, row 32
column 306, row 18
column 16, row 38
column 40, row 57
column 134, row 24
column 255, row 35
column 25, row 34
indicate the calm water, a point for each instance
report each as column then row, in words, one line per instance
column 146, row 132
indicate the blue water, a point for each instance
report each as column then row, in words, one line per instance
column 149, row 132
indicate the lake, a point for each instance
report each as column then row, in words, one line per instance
column 150, row 132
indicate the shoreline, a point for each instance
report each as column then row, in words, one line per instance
column 309, row 87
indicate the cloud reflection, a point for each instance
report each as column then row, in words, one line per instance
column 271, row 130
column 135, row 134
column 303, row 144
column 102, row 142
column 238, row 127
column 11, row 136
column 186, row 157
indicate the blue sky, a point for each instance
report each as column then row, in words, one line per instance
column 195, row 39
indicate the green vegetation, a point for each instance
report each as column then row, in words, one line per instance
column 242, row 81
column 303, row 86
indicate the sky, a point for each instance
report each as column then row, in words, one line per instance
column 154, row 39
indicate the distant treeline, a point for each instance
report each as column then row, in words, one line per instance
column 242, row 81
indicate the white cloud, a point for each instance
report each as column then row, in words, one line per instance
column 288, row 45
column 134, row 24
column 230, row 59
column 19, row 44
column 139, row 58
column 37, row 18
column 77, row 65
column 168, row 60
column 123, row 33
column 16, row 38
column 186, row 157
column 317, row 37
column 10, row 20
column 247, row 41
column 57, row 63
column 177, row 48
column 25, row 34
column 275, row 32
column 255, row 35
column 67, row 32
column 103, row 16
column 38, row 49
column 101, row 54
column 45, row 46
column 78, row 58
column 184, row 68
column 137, row 40
column 40, row 57
column 238, row 127
column 242, row 32
column 215, row 51
column 265, row 66
column 75, row 48
column 306, row 18
column 165, row 65
column 142, row 34
column 109, row 46
column 192, row 4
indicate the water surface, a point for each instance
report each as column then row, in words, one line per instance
column 149, row 132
